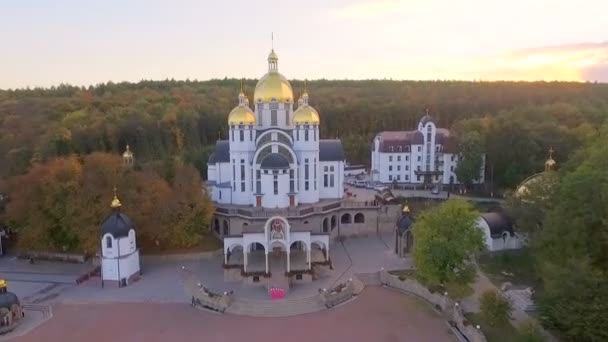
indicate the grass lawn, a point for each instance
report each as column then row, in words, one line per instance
column 515, row 266
column 504, row 333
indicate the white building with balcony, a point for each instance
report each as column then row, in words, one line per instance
column 427, row 155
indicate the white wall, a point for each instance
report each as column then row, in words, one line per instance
column 337, row 190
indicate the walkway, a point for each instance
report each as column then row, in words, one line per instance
column 377, row 315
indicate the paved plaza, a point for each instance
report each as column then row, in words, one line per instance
column 377, row 315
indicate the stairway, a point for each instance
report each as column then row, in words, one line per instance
column 275, row 308
column 370, row 279
column 44, row 309
column 358, row 286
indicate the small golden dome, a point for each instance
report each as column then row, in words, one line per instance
column 115, row 201
column 3, row 283
column 306, row 115
column 241, row 115
column 127, row 153
column 273, row 86
column 406, row 209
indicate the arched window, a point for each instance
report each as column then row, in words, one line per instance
column 346, row 218
column 226, row 230
column 108, row 242
column 359, row 218
column 325, row 226
column 334, row 222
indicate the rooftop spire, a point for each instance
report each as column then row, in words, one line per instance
column 550, row 163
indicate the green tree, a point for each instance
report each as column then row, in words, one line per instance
column 495, row 309
column 470, row 160
column 446, row 237
column 572, row 249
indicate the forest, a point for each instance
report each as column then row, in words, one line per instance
column 517, row 121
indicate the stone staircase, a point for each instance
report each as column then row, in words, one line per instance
column 370, row 279
column 275, row 308
column 44, row 309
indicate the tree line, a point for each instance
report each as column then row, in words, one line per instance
column 516, row 121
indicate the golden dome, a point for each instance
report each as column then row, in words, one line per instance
column 273, row 55
column 306, row 115
column 273, row 86
column 241, row 115
column 3, row 283
column 115, row 204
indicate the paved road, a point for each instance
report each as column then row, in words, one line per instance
column 378, row 315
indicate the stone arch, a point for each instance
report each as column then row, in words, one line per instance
column 225, row 228
column 334, row 222
column 289, row 149
column 359, row 218
column 304, row 244
column 346, row 218
column 269, row 132
column 325, row 225
column 216, row 225
column 255, row 245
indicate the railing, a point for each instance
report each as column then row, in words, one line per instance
column 293, row 212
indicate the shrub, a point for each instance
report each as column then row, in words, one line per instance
column 495, row 309
column 530, row 332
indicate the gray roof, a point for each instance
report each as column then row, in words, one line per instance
column 221, row 154
column 404, row 223
column 331, row 150
column 7, row 299
column 425, row 119
column 399, row 138
column 117, row 224
column 275, row 161
column 498, row 223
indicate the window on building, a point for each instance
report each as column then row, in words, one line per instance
column 390, row 178
column 331, row 176
column 233, row 175
column 419, row 148
column 407, row 158
column 250, row 133
column 407, row 167
column 407, row 178
column 452, row 168
column 398, row 158
column 419, row 158
column 242, row 175
column 398, row 177
column 258, row 182
column 292, row 186
column 241, row 134
column 232, row 134
column 108, row 242
column 306, row 135
column 306, row 174
column 418, row 178
column 273, row 117
column 398, row 167
column 390, row 167
column 390, row 158
column 286, row 117
column 407, row 148
column 315, row 135
column 314, row 167
column 452, row 158
column 275, row 184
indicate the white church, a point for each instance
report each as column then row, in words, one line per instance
column 119, row 253
column 427, row 155
column 274, row 157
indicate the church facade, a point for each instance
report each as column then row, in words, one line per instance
column 274, row 157
column 427, row 155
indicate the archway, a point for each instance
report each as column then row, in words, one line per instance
column 359, row 218
column 325, row 227
column 334, row 222
column 234, row 255
column 318, row 251
column 226, row 230
column 346, row 218
column 216, row 226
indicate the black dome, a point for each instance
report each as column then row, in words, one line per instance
column 7, row 299
column 117, row 224
column 404, row 223
column 275, row 161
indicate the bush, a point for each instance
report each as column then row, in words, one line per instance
column 495, row 309
column 530, row 332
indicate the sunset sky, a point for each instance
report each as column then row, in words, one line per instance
column 45, row 43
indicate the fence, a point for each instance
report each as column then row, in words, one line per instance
column 449, row 308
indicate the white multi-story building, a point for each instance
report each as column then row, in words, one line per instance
column 427, row 155
column 273, row 157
